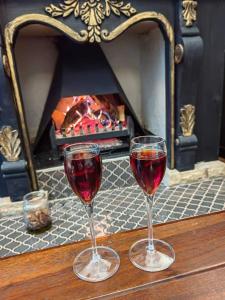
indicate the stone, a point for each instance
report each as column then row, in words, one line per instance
column 9, row 208
column 202, row 171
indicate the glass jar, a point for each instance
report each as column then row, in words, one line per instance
column 36, row 211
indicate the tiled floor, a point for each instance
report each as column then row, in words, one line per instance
column 116, row 210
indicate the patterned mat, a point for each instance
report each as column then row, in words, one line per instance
column 115, row 210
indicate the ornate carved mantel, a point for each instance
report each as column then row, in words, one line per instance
column 92, row 13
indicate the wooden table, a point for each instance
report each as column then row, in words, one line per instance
column 198, row 272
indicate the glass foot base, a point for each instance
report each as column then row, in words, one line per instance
column 98, row 267
column 152, row 261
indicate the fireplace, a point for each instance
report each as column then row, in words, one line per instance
column 130, row 65
column 102, row 96
column 88, row 116
column 99, row 118
column 80, row 100
column 102, row 119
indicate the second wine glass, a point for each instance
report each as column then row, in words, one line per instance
column 83, row 168
column 148, row 163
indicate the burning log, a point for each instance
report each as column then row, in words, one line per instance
column 94, row 113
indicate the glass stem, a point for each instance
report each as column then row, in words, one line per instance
column 149, row 204
column 89, row 210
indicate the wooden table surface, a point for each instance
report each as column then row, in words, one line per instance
column 198, row 272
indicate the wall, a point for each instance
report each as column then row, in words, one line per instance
column 36, row 58
column 211, row 23
column 123, row 55
column 138, row 60
column 153, row 82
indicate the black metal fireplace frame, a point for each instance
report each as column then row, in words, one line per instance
column 10, row 34
column 194, row 84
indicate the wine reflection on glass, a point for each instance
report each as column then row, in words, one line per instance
column 148, row 164
column 83, row 168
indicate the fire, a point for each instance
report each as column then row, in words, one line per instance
column 87, row 112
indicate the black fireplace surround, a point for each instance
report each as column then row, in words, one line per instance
column 195, row 44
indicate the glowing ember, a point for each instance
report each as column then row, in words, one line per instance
column 89, row 113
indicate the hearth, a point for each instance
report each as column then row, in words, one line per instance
column 90, row 118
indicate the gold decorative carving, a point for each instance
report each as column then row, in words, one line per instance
column 6, row 64
column 187, row 119
column 189, row 11
column 10, row 146
column 178, row 53
column 92, row 13
column 154, row 16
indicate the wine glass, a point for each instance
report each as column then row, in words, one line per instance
column 148, row 164
column 83, row 168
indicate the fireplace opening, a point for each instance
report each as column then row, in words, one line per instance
column 99, row 118
column 102, row 119
column 106, row 92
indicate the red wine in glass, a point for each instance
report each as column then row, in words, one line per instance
column 148, row 167
column 83, row 168
column 148, row 164
column 84, row 172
